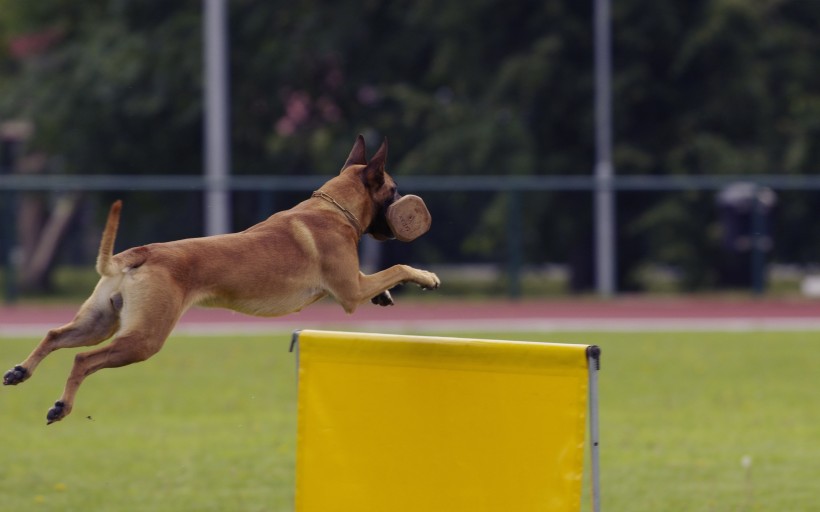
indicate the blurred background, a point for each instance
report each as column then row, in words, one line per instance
column 708, row 112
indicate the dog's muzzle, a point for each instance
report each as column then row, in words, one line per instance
column 408, row 218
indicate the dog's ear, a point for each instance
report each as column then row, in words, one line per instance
column 374, row 172
column 357, row 155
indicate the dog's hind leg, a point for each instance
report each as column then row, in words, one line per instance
column 142, row 334
column 94, row 323
column 125, row 349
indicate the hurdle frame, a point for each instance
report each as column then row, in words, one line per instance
column 593, row 354
column 594, row 366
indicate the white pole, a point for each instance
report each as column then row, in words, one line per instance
column 217, row 152
column 605, row 256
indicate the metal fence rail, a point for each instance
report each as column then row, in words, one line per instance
column 421, row 183
column 10, row 184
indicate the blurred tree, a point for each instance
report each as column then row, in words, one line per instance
column 702, row 86
column 718, row 87
column 110, row 86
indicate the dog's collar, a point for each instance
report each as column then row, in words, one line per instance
column 350, row 217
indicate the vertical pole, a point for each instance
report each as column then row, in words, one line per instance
column 594, row 365
column 605, row 256
column 217, row 139
column 294, row 348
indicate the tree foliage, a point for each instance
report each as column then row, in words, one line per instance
column 486, row 87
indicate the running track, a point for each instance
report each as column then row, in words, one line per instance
column 553, row 315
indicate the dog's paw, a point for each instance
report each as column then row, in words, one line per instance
column 428, row 280
column 383, row 299
column 15, row 376
column 58, row 412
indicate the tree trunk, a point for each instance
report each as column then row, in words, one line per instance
column 40, row 250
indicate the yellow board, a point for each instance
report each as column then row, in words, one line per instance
column 391, row 423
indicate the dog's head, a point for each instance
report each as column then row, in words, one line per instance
column 379, row 186
column 387, row 214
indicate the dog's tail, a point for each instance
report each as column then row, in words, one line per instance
column 105, row 266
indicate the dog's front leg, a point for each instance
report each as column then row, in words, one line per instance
column 368, row 287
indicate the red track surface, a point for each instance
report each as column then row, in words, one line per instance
column 621, row 314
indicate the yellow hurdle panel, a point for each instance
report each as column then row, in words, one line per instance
column 391, row 423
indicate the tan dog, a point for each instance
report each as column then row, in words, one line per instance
column 278, row 266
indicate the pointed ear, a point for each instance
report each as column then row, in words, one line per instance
column 374, row 173
column 381, row 153
column 357, row 155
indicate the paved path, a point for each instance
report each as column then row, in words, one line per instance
column 545, row 315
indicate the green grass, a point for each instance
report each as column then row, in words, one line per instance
column 209, row 423
column 679, row 411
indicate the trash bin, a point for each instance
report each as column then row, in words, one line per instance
column 745, row 211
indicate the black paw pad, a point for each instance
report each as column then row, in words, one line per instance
column 382, row 299
column 15, row 376
column 56, row 413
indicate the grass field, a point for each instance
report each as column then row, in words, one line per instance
column 209, row 423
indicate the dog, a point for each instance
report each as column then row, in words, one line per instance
column 279, row 266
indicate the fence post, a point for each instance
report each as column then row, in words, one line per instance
column 7, row 243
column 604, row 194
column 514, row 244
column 759, row 238
column 217, row 157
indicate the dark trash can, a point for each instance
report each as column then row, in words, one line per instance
column 745, row 211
